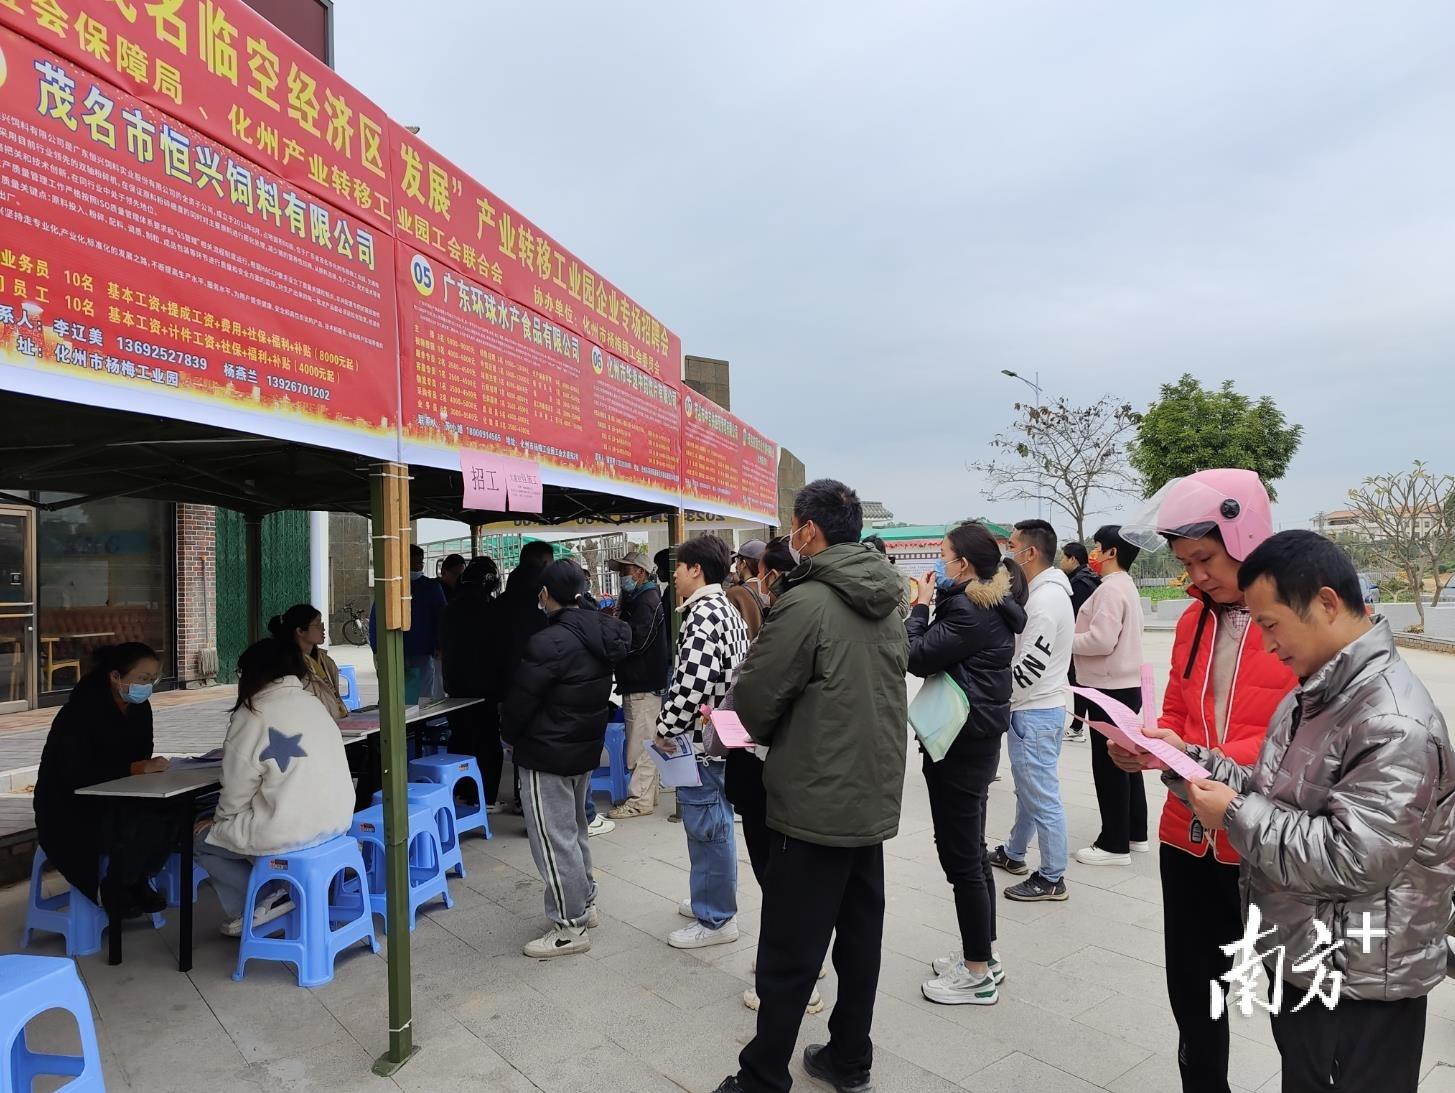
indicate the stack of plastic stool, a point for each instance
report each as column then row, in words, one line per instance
column 30, row 986
column 427, row 879
column 450, row 770
column 320, row 925
column 69, row 914
column 441, row 805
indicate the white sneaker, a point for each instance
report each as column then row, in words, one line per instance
column 698, row 936
column 961, row 987
column 600, row 826
column 815, row 1001
column 1095, row 855
column 684, row 908
column 559, row 941
column 1141, row 847
column 943, row 964
column 273, row 906
column 593, row 917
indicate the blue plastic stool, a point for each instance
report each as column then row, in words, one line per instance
column 614, row 777
column 30, row 986
column 348, row 678
column 319, row 927
column 169, row 880
column 450, row 770
column 441, row 805
column 69, row 914
column 427, row 880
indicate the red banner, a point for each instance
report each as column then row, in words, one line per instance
column 222, row 68
column 728, row 468
column 140, row 257
column 448, row 216
column 479, row 370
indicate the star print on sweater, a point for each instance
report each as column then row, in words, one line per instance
column 282, row 749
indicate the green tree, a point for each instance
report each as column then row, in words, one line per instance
column 1191, row 428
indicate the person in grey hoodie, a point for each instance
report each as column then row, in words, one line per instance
column 1038, row 675
column 1345, row 824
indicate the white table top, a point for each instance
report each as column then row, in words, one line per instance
column 167, row 783
column 364, row 722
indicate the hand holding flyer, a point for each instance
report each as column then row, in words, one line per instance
column 1126, row 726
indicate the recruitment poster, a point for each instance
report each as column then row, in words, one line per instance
column 728, row 467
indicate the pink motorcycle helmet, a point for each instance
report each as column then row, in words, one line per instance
column 1232, row 501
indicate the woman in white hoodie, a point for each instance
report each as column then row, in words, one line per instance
column 285, row 780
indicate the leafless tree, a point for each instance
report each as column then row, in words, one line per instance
column 1409, row 520
column 1066, row 454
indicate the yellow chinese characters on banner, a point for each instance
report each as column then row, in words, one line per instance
column 220, row 67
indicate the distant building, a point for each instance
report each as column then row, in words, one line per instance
column 876, row 515
column 915, row 547
column 1347, row 526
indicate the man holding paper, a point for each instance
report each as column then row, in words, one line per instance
column 824, row 688
column 1345, row 823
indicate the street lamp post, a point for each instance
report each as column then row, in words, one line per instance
column 1036, row 387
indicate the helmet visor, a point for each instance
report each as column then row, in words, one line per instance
column 1183, row 508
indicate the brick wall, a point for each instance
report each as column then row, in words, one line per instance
column 196, row 589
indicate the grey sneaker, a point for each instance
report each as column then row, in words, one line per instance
column 1001, row 860
column 961, row 987
column 1037, row 889
column 942, row 965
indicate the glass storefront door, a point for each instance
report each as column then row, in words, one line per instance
column 17, row 610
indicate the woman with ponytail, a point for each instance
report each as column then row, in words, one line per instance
column 302, row 624
column 555, row 718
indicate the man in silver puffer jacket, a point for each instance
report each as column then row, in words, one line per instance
column 1345, row 820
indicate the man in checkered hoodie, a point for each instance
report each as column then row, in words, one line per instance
column 713, row 642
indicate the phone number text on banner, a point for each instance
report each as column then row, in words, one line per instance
column 144, row 265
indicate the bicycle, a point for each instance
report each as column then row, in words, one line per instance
column 355, row 626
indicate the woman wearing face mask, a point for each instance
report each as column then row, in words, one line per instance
column 979, row 603
column 303, row 624
column 1222, row 692
column 104, row 731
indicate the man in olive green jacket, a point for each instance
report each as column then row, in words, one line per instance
column 824, row 689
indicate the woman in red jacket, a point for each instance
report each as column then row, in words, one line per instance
column 1221, row 693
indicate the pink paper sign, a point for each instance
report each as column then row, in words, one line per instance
column 1126, row 731
column 728, row 727
column 523, row 484
column 485, row 480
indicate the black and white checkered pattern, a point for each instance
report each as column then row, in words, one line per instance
column 714, row 641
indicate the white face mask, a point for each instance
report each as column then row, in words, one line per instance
column 793, row 551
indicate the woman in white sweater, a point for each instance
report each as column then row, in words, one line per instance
column 1107, row 650
column 285, row 780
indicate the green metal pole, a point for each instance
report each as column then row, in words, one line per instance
column 390, row 661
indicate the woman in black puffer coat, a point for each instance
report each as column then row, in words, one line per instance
column 979, row 610
column 555, row 718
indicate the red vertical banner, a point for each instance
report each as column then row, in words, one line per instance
column 728, row 468
column 147, row 267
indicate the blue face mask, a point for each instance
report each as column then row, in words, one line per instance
column 628, row 585
column 943, row 581
column 136, row 693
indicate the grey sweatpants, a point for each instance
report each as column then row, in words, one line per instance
column 555, row 820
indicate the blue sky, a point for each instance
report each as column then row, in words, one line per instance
column 873, row 209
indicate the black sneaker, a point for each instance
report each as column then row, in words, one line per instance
column 1001, row 860
column 817, row 1062
column 730, row 1084
column 149, row 899
column 1037, row 889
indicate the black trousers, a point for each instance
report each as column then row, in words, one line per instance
column 812, row 892
column 1121, row 797
column 475, row 730
column 743, row 785
column 1357, row 1047
column 959, row 790
column 1201, row 911
column 1078, row 704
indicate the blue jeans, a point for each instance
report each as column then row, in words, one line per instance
column 1035, row 746
column 590, row 806
column 708, row 820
